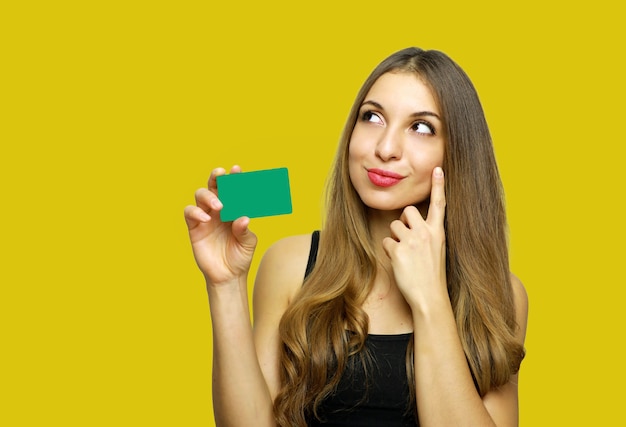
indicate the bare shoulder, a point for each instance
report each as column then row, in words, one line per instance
column 521, row 305
column 281, row 271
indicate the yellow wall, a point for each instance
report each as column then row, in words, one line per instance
column 113, row 113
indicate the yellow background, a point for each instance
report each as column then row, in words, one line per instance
column 113, row 113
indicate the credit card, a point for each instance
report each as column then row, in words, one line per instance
column 254, row 194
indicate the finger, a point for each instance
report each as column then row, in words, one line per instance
column 410, row 216
column 208, row 201
column 213, row 178
column 235, row 169
column 437, row 207
column 242, row 233
column 398, row 229
column 195, row 215
column 388, row 245
column 240, row 226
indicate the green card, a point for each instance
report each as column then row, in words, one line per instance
column 254, row 194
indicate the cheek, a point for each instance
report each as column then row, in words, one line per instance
column 353, row 161
column 350, row 149
column 429, row 159
column 360, row 140
column 356, row 151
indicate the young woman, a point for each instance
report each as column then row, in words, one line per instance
column 402, row 310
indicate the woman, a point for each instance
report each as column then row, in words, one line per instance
column 408, row 314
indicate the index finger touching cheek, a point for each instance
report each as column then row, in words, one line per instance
column 437, row 208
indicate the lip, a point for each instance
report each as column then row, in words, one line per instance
column 383, row 178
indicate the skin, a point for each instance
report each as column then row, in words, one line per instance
column 408, row 295
column 223, row 252
column 398, row 130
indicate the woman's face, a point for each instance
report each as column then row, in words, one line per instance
column 396, row 143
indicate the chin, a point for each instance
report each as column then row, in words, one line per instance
column 384, row 205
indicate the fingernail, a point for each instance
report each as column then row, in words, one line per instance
column 216, row 204
column 438, row 172
column 205, row 217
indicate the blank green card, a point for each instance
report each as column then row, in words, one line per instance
column 254, row 194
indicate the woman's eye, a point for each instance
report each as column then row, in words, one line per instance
column 424, row 128
column 369, row 116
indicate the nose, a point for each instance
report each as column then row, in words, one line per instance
column 389, row 146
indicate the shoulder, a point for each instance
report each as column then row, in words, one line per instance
column 520, row 297
column 282, row 267
column 296, row 247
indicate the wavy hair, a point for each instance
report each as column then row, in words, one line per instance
column 316, row 347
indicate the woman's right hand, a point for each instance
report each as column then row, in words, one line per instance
column 223, row 250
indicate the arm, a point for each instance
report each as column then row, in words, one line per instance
column 445, row 391
column 240, row 394
column 443, row 380
column 279, row 277
column 223, row 252
column 249, row 359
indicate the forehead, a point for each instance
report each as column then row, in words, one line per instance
column 402, row 89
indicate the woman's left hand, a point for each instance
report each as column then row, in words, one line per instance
column 417, row 249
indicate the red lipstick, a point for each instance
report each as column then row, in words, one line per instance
column 382, row 178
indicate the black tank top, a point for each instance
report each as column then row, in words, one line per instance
column 380, row 399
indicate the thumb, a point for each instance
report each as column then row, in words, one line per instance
column 242, row 233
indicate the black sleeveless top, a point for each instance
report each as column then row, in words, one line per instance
column 380, row 399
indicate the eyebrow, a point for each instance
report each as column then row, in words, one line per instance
column 416, row 114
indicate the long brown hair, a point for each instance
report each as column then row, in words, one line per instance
column 315, row 346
